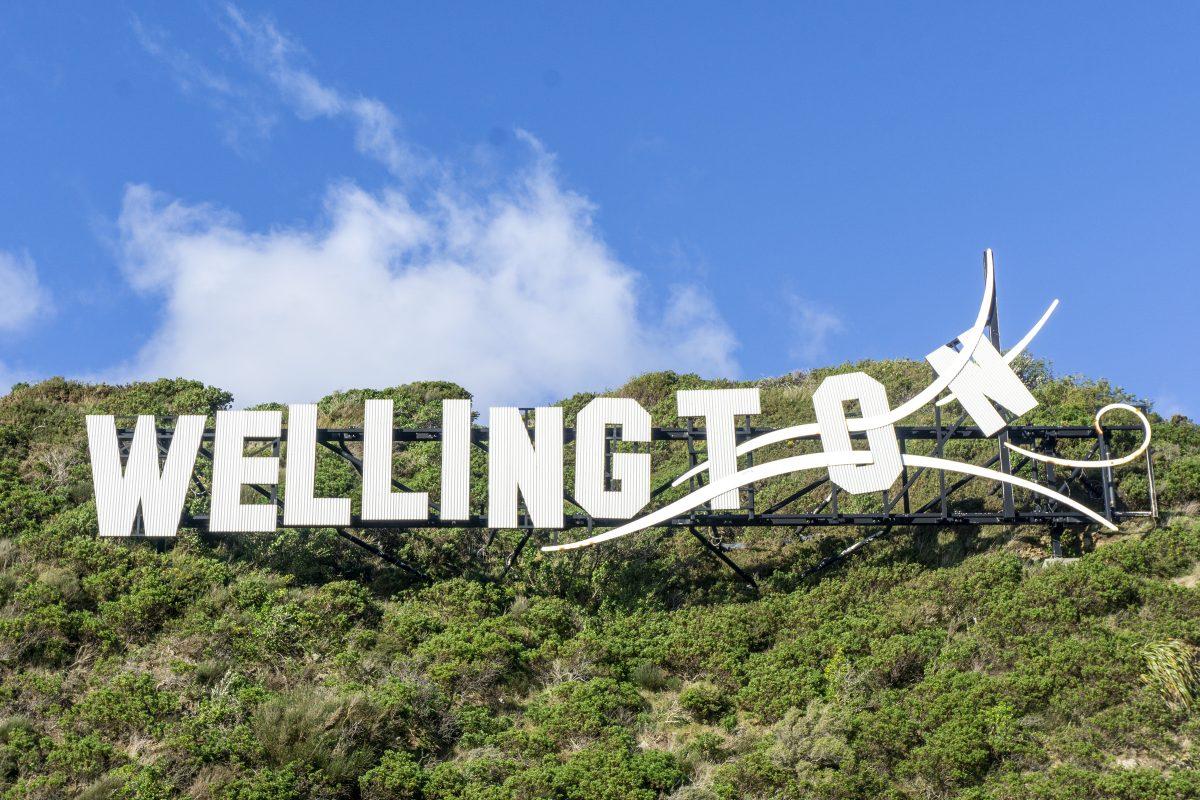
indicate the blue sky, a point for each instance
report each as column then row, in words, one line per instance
column 537, row 199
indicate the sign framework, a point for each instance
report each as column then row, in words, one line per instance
column 723, row 496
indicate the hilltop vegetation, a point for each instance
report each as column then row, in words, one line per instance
column 293, row 665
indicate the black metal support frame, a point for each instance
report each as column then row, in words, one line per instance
column 897, row 508
column 1100, row 491
column 1101, row 488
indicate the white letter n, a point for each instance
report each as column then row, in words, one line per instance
column 986, row 377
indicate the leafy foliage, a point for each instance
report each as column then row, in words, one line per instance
column 290, row 666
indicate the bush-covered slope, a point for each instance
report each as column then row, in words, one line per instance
column 292, row 665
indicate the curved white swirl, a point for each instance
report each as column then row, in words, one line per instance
column 984, row 472
column 970, row 341
column 1108, row 462
column 784, row 466
column 702, row 495
column 1020, row 346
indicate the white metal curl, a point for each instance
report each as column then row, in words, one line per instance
column 759, row 472
column 996, row 475
column 1106, row 462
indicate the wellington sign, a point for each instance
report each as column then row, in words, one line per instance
column 142, row 484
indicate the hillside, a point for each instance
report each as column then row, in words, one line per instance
column 295, row 666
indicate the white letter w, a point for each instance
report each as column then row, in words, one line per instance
column 160, row 495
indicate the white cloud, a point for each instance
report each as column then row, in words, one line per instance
column 510, row 292
column 248, row 109
column 22, row 298
column 812, row 326
column 514, row 297
column 376, row 128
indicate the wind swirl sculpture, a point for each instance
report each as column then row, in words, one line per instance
column 976, row 375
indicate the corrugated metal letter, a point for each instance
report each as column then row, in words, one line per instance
column 160, row 495
column 379, row 502
column 828, row 402
column 631, row 469
column 456, row 459
column 986, row 377
column 719, row 407
column 300, row 507
column 232, row 469
column 533, row 469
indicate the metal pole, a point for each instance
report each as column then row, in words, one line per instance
column 941, row 450
column 1150, row 482
column 749, row 463
column 1002, row 438
column 1106, row 478
column 720, row 554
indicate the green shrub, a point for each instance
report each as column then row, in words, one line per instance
column 813, row 742
column 650, row 676
column 289, row 666
column 82, row 757
column 707, row 746
column 218, row 731
column 263, row 784
column 397, row 776
column 585, row 709
column 610, row 769
column 477, row 725
column 127, row 704
column 340, row 604
column 752, row 774
column 704, row 701
column 1180, row 482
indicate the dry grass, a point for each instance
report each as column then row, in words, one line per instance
column 1171, row 671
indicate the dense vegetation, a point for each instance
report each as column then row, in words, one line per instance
column 294, row 665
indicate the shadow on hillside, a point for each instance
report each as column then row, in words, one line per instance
column 664, row 569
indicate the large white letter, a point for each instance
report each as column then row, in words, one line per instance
column 535, row 470
column 835, row 435
column 987, row 376
column 631, row 469
column 161, row 496
column 379, row 502
column 300, row 507
column 232, row 469
column 456, row 460
column 719, row 407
